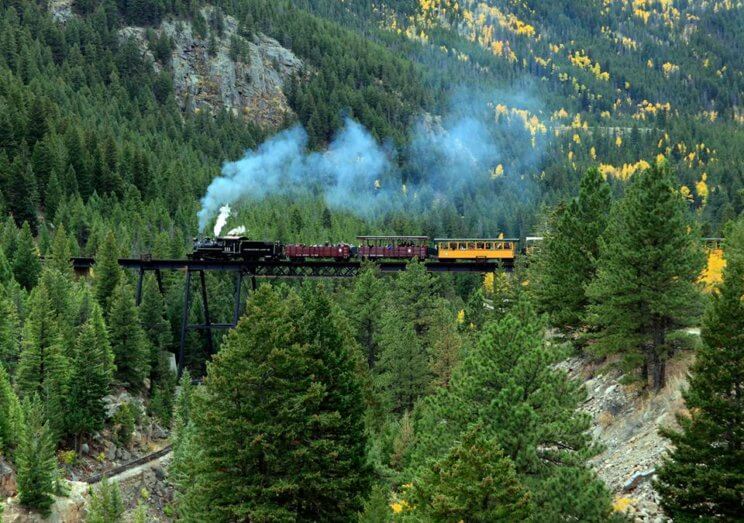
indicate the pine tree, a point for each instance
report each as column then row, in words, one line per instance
column 153, row 313
column 107, row 272
column 9, row 333
column 22, row 195
column 186, row 454
column 106, row 504
column 37, row 463
column 414, row 296
column 402, row 373
column 42, row 359
column 10, row 414
column 6, row 271
column 60, row 255
column 650, row 260
column 26, row 263
column 92, row 366
column 10, row 238
column 128, row 339
column 445, row 346
column 257, row 456
column 365, row 309
column 566, row 259
column 335, row 482
column 473, row 482
column 703, row 476
column 509, row 385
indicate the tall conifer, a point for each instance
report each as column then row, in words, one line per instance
column 107, row 272
column 10, row 414
column 267, row 446
column 26, row 263
column 92, row 366
column 9, row 333
column 703, row 476
column 650, row 260
column 402, row 374
column 509, row 385
column 335, row 482
column 37, row 463
column 42, row 361
column 565, row 262
column 128, row 339
column 365, row 310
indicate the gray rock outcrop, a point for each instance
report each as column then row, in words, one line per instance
column 207, row 76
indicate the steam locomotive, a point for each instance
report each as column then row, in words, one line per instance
column 237, row 248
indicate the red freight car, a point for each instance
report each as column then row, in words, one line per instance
column 300, row 251
column 406, row 247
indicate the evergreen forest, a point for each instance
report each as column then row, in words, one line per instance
column 604, row 139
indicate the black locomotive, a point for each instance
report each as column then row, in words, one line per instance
column 234, row 247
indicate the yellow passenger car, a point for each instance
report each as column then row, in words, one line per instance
column 478, row 249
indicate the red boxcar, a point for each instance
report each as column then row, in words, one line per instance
column 299, row 251
column 406, row 247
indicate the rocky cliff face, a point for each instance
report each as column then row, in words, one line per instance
column 208, row 75
column 626, row 424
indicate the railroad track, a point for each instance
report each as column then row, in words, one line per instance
column 95, row 478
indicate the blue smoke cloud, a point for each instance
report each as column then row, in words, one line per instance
column 283, row 165
column 444, row 159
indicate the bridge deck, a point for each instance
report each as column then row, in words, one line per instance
column 294, row 269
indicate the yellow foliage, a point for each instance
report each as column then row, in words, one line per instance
column 620, row 504
column 669, row 69
column 577, row 138
column 579, row 59
column 701, row 188
column 625, row 171
column 685, row 192
column 618, row 140
column 713, row 272
column 497, row 171
column 593, row 153
column 487, row 288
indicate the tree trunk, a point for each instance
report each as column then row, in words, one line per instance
column 659, row 357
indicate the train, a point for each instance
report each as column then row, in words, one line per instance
column 386, row 247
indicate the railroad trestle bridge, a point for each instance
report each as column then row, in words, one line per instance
column 253, row 269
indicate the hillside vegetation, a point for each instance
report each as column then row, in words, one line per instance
column 612, row 129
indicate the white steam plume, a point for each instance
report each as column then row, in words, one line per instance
column 237, row 231
column 221, row 219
